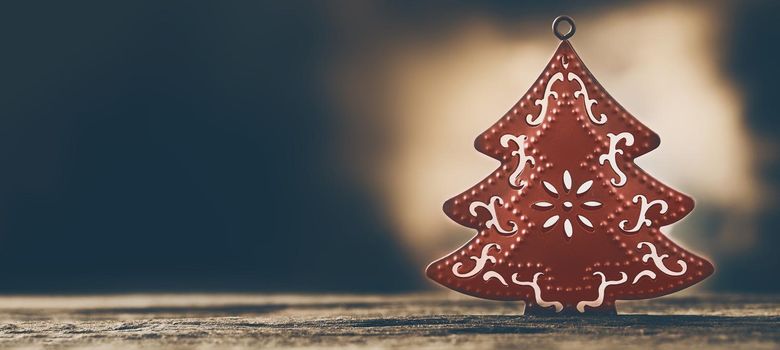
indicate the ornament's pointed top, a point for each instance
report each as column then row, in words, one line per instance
column 557, row 21
column 564, row 47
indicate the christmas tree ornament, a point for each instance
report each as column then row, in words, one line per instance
column 568, row 223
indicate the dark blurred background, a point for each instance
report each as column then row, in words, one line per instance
column 246, row 146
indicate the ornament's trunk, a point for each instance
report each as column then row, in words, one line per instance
column 603, row 310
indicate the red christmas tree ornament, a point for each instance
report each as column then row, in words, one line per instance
column 568, row 223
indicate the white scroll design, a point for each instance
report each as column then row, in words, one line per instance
column 492, row 274
column 644, row 273
column 602, row 288
column 522, row 158
column 588, row 101
column 538, row 292
column 481, row 260
column 659, row 260
column 544, row 101
column 613, row 150
column 642, row 212
column 491, row 208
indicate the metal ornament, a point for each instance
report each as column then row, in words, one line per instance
column 568, row 223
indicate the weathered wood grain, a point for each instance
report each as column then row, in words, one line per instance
column 436, row 320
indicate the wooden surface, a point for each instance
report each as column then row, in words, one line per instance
column 434, row 320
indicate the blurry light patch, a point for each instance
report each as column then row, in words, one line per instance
column 432, row 98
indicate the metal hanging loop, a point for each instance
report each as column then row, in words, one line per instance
column 558, row 21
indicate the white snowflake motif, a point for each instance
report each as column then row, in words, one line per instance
column 567, row 205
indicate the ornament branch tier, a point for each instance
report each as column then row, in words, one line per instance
column 568, row 223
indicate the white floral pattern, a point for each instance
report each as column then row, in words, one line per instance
column 567, row 205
